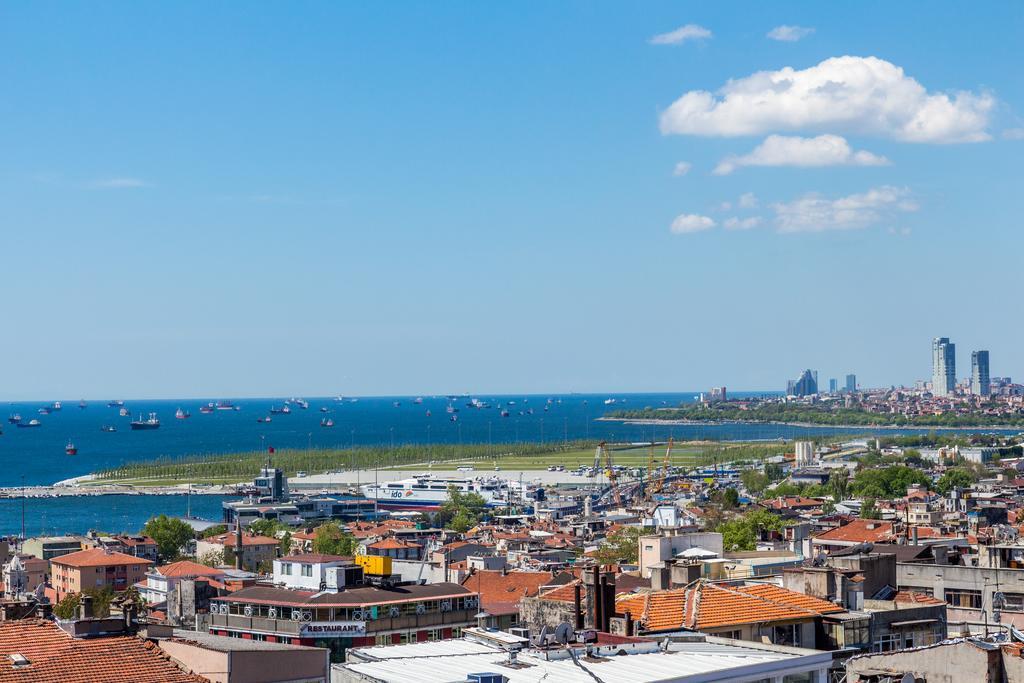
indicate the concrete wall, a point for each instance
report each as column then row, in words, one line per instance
column 655, row 549
column 940, row 578
column 955, row 663
column 251, row 666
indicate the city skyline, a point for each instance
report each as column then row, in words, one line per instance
column 211, row 200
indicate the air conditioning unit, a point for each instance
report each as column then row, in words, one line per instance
column 521, row 632
column 486, row 678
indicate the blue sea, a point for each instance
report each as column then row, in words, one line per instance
column 37, row 455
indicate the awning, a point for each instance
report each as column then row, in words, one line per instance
column 915, row 622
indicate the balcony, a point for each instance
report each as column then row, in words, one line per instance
column 288, row 627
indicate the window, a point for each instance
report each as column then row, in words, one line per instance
column 786, row 635
column 964, row 599
column 1012, row 602
column 435, row 634
column 286, row 568
column 891, row 641
column 307, row 570
column 383, row 639
column 408, row 637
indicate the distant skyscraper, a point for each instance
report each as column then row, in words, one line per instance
column 806, row 385
column 851, row 383
column 943, row 366
column 980, row 385
column 833, row 386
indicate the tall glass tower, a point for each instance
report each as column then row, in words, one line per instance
column 943, row 366
column 980, row 384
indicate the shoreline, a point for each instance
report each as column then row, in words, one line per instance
column 805, row 425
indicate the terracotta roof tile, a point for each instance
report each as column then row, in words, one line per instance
column 56, row 657
column 707, row 605
column 188, row 568
column 860, row 531
column 496, row 588
column 97, row 557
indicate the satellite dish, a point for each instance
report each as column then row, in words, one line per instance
column 563, row 632
column 542, row 637
column 908, row 678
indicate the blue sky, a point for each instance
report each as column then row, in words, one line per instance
column 313, row 198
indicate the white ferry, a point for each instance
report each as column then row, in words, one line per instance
column 428, row 492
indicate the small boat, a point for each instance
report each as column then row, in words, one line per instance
column 57, row 406
column 31, row 423
column 45, row 410
column 327, row 422
column 150, row 423
column 82, row 405
column 454, row 418
column 396, row 403
column 123, row 412
column 418, row 400
column 108, row 428
column 225, row 405
column 115, row 404
column 609, row 401
column 206, row 410
column 274, row 410
column 323, row 409
column 504, row 413
column 14, row 419
column 71, row 448
column 428, row 412
column 302, row 403
column 182, row 414
column 263, row 419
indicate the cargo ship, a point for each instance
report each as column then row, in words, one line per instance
column 151, row 423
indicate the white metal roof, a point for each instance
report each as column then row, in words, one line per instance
column 446, row 661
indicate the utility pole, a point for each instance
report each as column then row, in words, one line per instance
column 23, row 510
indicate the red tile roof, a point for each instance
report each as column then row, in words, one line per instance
column 913, row 597
column 56, row 657
column 188, row 568
column 860, row 531
column 97, row 557
column 707, row 605
column 394, row 544
column 502, row 592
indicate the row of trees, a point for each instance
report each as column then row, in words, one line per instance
column 244, row 466
column 820, row 414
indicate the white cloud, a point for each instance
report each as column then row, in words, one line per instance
column 681, row 35
column 813, row 213
column 682, row 168
column 860, row 94
column 117, row 183
column 789, row 34
column 735, row 223
column 691, row 222
column 1013, row 134
column 784, row 150
column 748, row 200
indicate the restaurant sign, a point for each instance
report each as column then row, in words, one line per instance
column 332, row 629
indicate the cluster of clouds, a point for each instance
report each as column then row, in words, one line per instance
column 803, row 117
column 811, row 212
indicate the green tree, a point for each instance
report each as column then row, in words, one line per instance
column 620, row 547
column 170, row 535
column 743, row 532
column 215, row 530
column 67, row 608
column 267, row 527
column 839, row 483
column 464, row 508
column 868, row 510
column 753, row 481
column 331, row 539
column 955, row 477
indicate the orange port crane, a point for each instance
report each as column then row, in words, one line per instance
column 665, row 468
column 609, row 471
